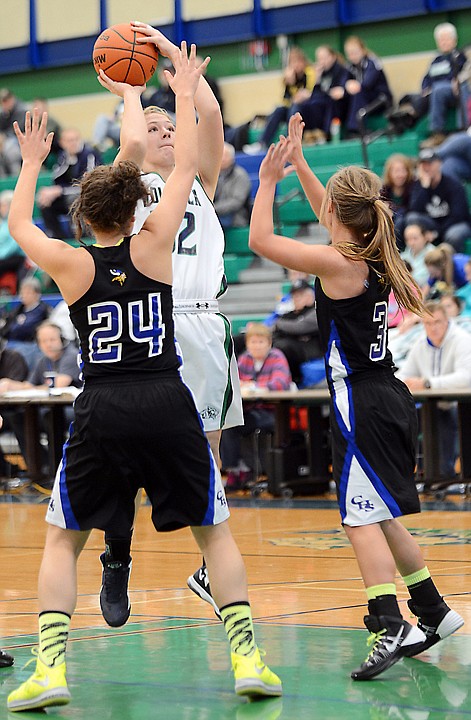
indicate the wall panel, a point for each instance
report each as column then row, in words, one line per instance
column 14, row 27
column 153, row 12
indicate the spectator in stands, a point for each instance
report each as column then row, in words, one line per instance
column 12, row 257
column 442, row 359
column 52, row 124
column 19, row 326
column 328, row 99
column 454, row 307
column 285, row 303
column 12, row 367
column 439, row 203
column 12, row 111
column 367, row 88
column 296, row 334
column 398, row 179
column 446, row 270
column 455, row 154
column 441, row 87
column 233, row 191
column 418, row 244
column 107, row 128
column 57, row 367
column 74, row 159
column 163, row 96
column 260, row 367
column 60, row 316
column 463, row 293
column 442, row 83
column 10, row 156
column 298, row 82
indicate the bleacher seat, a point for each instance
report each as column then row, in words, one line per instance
column 234, row 264
column 237, row 240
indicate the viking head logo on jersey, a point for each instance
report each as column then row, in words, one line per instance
column 119, row 276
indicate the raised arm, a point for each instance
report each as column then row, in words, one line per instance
column 164, row 221
column 210, row 125
column 319, row 260
column 133, row 133
column 311, row 185
column 35, row 144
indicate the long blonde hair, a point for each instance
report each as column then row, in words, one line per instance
column 354, row 193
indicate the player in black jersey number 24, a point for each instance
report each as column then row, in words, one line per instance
column 135, row 422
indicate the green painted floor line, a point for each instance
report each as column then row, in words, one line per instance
column 184, row 674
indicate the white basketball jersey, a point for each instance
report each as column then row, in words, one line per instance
column 198, row 266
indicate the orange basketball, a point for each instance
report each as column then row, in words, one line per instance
column 122, row 58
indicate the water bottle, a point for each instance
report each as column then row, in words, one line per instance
column 335, row 128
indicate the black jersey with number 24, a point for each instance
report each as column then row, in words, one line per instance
column 124, row 320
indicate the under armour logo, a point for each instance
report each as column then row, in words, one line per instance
column 365, row 505
column 51, row 505
column 222, row 498
column 200, row 305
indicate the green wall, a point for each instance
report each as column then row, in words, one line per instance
column 414, row 34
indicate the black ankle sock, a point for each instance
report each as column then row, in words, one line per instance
column 386, row 605
column 118, row 548
column 425, row 594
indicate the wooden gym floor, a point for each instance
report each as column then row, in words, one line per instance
column 172, row 661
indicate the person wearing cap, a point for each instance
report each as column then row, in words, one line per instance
column 296, row 334
column 439, row 203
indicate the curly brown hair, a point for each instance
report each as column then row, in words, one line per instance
column 108, row 197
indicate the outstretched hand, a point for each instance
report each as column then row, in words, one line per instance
column 295, row 137
column 164, row 45
column 35, row 142
column 187, row 72
column 118, row 88
column 273, row 164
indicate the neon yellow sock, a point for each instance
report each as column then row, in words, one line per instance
column 416, row 577
column 238, row 624
column 53, row 634
column 375, row 591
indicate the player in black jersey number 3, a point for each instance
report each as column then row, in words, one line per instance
column 135, row 423
column 373, row 416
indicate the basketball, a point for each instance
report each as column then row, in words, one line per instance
column 122, row 58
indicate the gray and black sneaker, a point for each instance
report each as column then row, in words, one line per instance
column 390, row 638
column 199, row 583
column 436, row 622
column 114, row 598
column 6, row 660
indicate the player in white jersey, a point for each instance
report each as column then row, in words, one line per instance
column 209, row 365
